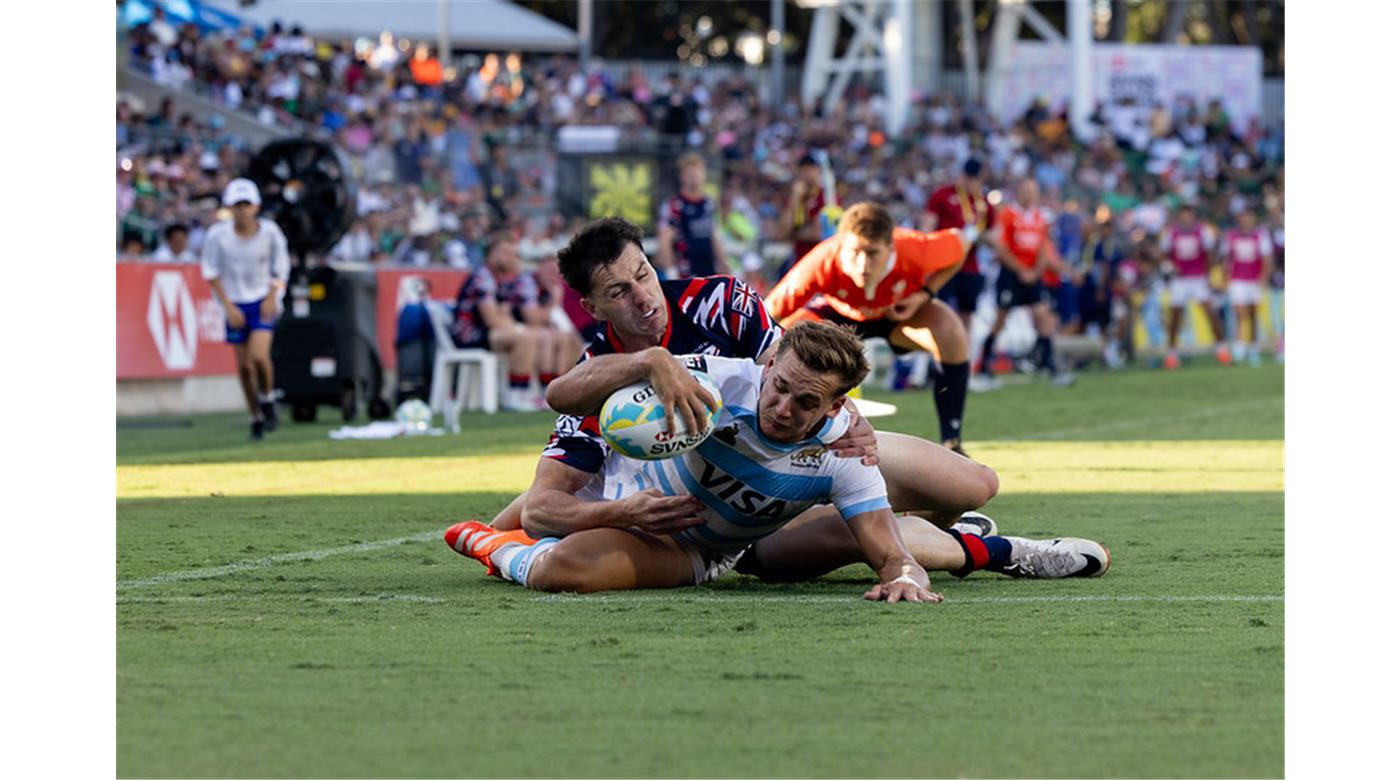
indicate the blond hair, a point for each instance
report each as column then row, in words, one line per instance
column 690, row 158
column 827, row 348
column 870, row 221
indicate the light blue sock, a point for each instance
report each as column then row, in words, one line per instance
column 515, row 559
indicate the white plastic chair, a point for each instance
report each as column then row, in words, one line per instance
column 477, row 372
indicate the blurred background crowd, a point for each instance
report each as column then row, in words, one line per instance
column 448, row 154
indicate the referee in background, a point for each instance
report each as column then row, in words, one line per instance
column 246, row 263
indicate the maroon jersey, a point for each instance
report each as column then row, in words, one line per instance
column 803, row 214
column 956, row 208
column 1245, row 252
column 1187, row 248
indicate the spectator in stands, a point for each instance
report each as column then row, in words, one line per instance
column 802, row 215
column 405, row 133
column 493, row 305
column 176, row 247
column 501, row 182
column 560, row 344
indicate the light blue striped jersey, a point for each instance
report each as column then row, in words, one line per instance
column 751, row 486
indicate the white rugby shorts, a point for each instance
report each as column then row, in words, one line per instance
column 1244, row 293
column 1184, row 289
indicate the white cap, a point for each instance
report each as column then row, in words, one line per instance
column 240, row 190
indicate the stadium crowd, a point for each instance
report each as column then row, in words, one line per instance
column 446, row 157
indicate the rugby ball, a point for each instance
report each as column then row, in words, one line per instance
column 633, row 422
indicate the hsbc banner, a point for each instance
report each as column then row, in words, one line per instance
column 1147, row 73
column 168, row 323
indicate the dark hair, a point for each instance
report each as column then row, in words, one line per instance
column 595, row 245
column 176, row 227
column 496, row 239
column 972, row 168
column 827, row 348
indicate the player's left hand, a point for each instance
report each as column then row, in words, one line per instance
column 268, row 309
column 903, row 588
column 859, row 439
column 905, row 309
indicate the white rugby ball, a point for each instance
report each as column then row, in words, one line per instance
column 633, row 422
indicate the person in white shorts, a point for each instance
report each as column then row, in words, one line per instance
column 246, row 263
column 1188, row 244
column 1248, row 258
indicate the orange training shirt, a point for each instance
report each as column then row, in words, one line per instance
column 917, row 256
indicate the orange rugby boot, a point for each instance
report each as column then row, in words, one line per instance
column 476, row 540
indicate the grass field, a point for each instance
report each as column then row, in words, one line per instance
column 289, row 609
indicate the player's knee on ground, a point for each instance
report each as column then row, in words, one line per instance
column 568, row 568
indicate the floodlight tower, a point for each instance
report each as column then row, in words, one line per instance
column 883, row 41
column 903, row 39
column 1010, row 14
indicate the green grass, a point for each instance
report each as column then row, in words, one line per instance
column 405, row 660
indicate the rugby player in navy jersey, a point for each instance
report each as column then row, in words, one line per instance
column 687, row 230
column 647, row 322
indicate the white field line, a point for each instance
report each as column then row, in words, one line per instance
column 273, row 560
column 699, row 598
column 376, row 599
column 1223, row 410
column 316, row 555
column 561, row 598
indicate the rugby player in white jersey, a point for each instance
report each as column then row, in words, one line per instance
column 246, row 263
column 766, row 463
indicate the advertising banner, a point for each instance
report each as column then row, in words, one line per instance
column 1146, row 73
column 169, row 324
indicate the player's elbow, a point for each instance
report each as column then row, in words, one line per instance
column 562, row 398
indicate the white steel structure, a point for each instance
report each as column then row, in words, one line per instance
column 903, row 39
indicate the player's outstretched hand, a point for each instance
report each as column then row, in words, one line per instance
column 859, row 439
column 681, row 394
column 657, row 513
column 905, row 309
column 902, row 590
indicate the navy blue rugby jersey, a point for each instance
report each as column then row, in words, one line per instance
column 694, row 222
column 709, row 315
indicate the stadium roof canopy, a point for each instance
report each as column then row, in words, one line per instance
column 489, row 25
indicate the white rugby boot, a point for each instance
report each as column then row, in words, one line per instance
column 975, row 524
column 1049, row 559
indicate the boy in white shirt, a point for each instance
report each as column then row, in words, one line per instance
column 246, row 263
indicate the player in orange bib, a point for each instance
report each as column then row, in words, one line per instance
column 883, row 281
column 1029, row 267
